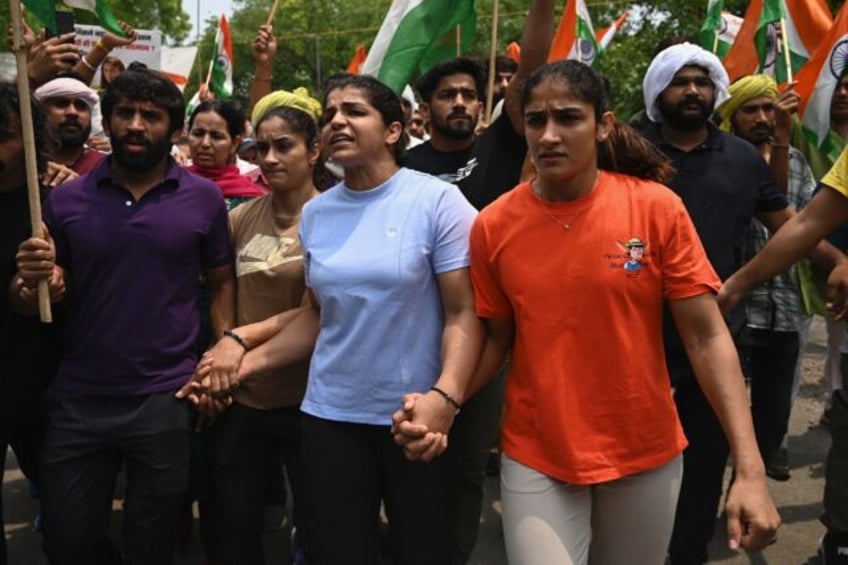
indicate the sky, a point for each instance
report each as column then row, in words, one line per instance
column 207, row 8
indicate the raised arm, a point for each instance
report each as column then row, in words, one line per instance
column 535, row 45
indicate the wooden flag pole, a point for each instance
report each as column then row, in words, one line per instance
column 715, row 42
column 212, row 61
column 492, row 55
column 33, row 189
column 458, row 40
column 273, row 12
column 787, row 58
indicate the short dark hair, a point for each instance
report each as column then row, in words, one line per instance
column 504, row 64
column 10, row 123
column 231, row 113
column 380, row 96
column 429, row 81
column 145, row 85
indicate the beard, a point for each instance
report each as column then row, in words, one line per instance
column 761, row 134
column 453, row 130
column 675, row 115
column 141, row 162
column 72, row 136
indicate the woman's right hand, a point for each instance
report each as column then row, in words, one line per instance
column 226, row 357
column 420, row 441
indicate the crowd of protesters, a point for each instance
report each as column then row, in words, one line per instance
column 363, row 318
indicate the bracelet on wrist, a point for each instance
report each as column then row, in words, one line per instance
column 236, row 337
column 102, row 45
column 85, row 62
column 448, row 398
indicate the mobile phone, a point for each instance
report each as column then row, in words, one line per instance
column 64, row 23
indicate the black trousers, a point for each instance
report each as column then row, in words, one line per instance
column 836, row 470
column 23, row 433
column 472, row 436
column 703, row 471
column 88, row 438
column 771, row 359
column 348, row 469
column 243, row 449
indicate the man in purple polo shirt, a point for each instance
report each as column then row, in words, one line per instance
column 133, row 237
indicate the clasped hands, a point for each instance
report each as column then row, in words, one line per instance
column 421, row 426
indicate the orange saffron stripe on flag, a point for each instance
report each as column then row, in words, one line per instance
column 565, row 34
column 513, row 51
column 808, row 76
column 742, row 58
column 356, row 61
column 812, row 20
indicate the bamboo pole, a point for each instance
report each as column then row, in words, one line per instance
column 273, row 12
column 33, row 189
column 212, row 60
column 787, row 56
column 458, row 40
column 492, row 55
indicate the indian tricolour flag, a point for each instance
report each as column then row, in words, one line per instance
column 417, row 34
column 709, row 36
column 221, row 78
column 818, row 79
column 105, row 17
column 758, row 49
column 574, row 38
column 604, row 37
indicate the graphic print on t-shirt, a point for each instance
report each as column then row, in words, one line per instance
column 635, row 254
column 264, row 252
column 461, row 173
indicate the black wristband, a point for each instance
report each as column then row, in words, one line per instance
column 233, row 335
column 450, row 399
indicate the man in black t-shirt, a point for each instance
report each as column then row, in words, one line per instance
column 483, row 167
column 724, row 183
column 28, row 348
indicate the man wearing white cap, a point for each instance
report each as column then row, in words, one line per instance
column 68, row 103
column 724, row 183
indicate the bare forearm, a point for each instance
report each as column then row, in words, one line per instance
column 535, row 45
column 293, row 343
column 491, row 360
column 462, row 342
column 261, row 82
column 222, row 310
column 716, row 366
column 827, row 255
column 257, row 333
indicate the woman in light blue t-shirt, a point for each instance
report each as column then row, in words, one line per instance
column 391, row 315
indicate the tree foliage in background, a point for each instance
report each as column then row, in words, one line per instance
column 317, row 37
column 164, row 15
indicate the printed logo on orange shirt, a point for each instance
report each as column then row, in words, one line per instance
column 635, row 249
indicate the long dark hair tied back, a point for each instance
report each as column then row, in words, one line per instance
column 624, row 150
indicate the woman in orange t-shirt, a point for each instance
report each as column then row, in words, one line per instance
column 571, row 272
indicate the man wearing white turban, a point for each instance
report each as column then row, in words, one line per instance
column 68, row 103
column 724, row 183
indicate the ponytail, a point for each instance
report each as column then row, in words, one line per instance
column 625, row 151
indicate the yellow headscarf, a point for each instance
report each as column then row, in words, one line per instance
column 743, row 90
column 299, row 99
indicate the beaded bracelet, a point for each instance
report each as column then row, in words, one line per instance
column 233, row 335
column 450, row 399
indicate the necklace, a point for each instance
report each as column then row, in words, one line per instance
column 565, row 225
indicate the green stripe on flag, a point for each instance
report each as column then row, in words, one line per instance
column 45, row 11
column 422, row 39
